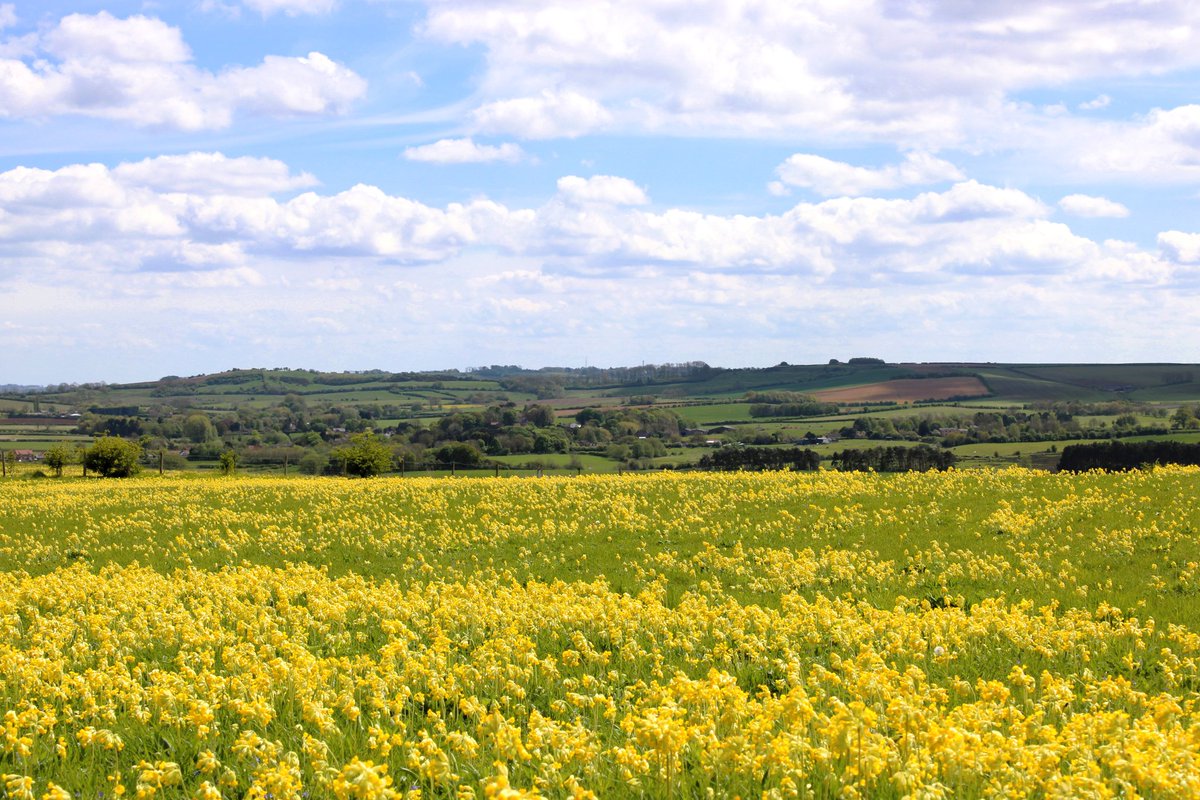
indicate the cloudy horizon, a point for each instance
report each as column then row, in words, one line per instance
column 412, row 185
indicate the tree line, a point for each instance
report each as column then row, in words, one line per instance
column 787, row 404
column 1120, row 456
column 1046, row 422
column 874, row 459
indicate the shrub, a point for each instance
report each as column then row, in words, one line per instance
column 366, row 456
column 112, row 457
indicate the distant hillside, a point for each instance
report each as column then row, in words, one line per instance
column 862, row 380
column 651, row 416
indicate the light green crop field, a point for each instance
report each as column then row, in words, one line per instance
column 972, row 633
column 705, row 415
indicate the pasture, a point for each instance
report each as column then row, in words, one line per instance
column 969, row 634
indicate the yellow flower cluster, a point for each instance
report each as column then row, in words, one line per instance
column 771, row 635
column 263, row 681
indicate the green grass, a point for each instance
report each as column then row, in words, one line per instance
column 708, row 415
column 9, row 442
column 589, row 462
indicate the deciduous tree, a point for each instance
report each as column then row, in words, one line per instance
column 366, row 456
column 112, row 457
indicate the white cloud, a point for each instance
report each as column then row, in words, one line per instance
column 829, row 178
column 291, row 8
column 104, row 39
column 8, row 15
column 1082, row 205
column 139, row 70
column 605, row 189
column 226, row 267
column 464, row 151
column 1161, row 146
column 971, row 200
column 212, row 173
column 1101, row 101
column 314, row 84
column 547, row 115
column 209, row 212
column 920, row 74
column 1180, row 247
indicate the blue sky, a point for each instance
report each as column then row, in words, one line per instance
column 196, row 185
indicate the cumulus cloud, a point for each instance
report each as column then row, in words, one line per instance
column 138, row 69
column 313, row 84
column 921, row 73
column 8, row 15
column 1082, row 205
column 212, row 173
column 606, row 189
column 1160, row 146
column 1101, row 101
column 1180, row 247
column 206, row 211
column 827, row 177
column 194, row 238
column 547, row 115
column 103, row 38
column 464, row 151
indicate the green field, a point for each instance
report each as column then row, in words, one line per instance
column 657, row 635
column 564, row 461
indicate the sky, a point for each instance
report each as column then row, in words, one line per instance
column 198, row 185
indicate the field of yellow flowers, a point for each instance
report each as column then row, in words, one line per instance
column 961, row 634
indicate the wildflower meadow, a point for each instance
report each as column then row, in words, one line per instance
column 959, row 634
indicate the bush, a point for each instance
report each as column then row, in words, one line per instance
column 464, row 454
column 57, row 456
column 112, row 457
column 313, row 463
column 366, row 456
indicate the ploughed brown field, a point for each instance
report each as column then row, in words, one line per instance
column 906, row 390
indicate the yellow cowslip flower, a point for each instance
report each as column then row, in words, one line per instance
column 18, row 787
column 155, row 776
column 206, row 762
column 207, row 791
column 577, row 790
column 55, row 792
column 277, row 781
column 498, row 787
column 201, row 715
column 363, row 780
column 228, row 780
